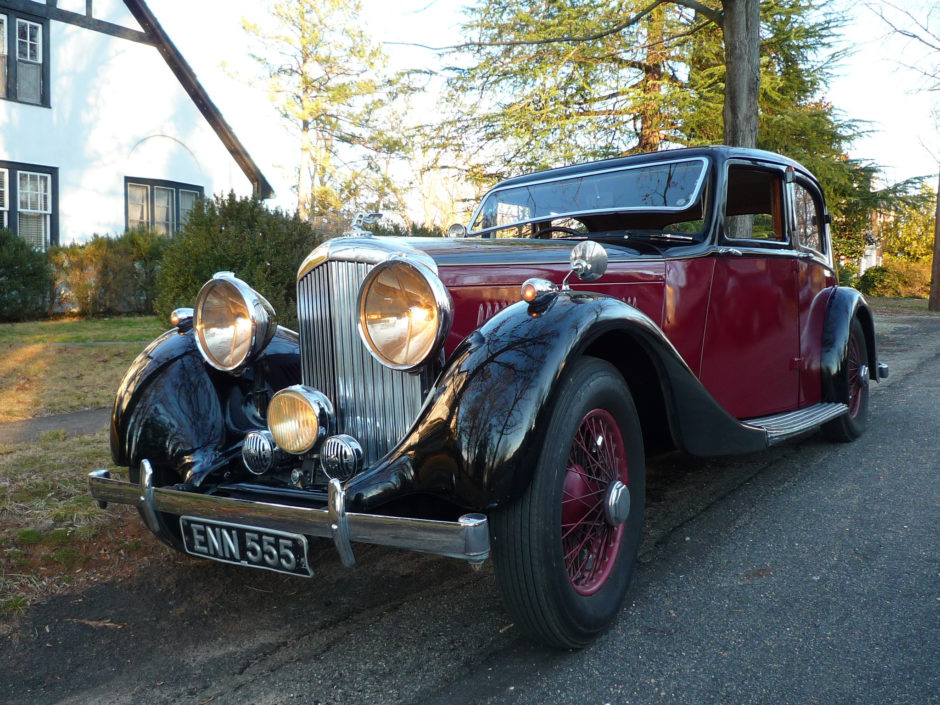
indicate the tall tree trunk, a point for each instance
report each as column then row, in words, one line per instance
column 934, row 303
column 651, row 121
column 741, row 28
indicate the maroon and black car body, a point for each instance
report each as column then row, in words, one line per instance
column 496, row 393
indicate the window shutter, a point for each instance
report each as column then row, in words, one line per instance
column 4, row 199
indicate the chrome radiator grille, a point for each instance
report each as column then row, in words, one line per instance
column 372, row 403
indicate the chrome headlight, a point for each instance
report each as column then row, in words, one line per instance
column 233, row 322
column 404, row 313
column 298, row 418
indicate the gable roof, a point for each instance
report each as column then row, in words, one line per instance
column 187, row 78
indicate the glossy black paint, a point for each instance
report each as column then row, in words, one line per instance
column 477, row 440
column 187, row 418
column 845, row 304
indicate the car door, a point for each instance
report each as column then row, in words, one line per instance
column 815, row 278
column 751, row 348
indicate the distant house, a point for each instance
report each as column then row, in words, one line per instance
column 104, row 126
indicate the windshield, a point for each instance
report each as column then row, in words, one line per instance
column 661, row 187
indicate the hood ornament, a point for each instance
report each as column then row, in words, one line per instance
column 359, row 221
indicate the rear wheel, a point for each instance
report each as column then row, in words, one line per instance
column 854, row 379
column 565, row 550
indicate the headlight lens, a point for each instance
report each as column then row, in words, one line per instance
column 298, row 418
column 404, row 313
column 233, row 322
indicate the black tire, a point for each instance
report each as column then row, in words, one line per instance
column 854, row 385
column 568, row 604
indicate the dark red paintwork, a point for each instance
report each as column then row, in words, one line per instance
column 747, row 325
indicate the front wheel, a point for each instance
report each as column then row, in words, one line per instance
column 854, row 379
column 565, row 550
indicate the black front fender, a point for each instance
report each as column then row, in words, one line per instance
column 480, row 433
column 186, row 418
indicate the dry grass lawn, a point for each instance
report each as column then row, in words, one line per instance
column 52, row 367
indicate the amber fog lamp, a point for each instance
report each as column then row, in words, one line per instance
column 233, row 322
column 299, row 418
column 404, row 313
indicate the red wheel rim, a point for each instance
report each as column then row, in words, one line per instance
column 589, row 543
column 854, row 370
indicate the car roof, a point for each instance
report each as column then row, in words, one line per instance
column 719, row 152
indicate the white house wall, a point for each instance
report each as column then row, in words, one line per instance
column 117, row 111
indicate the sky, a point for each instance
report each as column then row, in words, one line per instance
column 871, row 85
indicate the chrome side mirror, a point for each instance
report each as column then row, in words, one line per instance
column 588, row 261
column 457, row 230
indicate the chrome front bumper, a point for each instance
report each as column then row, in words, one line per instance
column 467, row 539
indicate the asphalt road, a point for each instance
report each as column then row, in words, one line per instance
column 806, row 574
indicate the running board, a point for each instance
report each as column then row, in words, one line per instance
column 780, row 427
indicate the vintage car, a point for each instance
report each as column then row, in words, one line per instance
column 467, row 395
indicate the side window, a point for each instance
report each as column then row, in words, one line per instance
column 754, row 205
column 34, row 210
column 162, row 206
column 807, row 219
column 28, row 61
column 3, row 56
column 24, row 58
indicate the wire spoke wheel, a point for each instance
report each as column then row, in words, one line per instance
column 851, row 388
column 565, row 550
column 589, row 542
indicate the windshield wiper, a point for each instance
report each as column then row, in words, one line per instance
column 659, row 237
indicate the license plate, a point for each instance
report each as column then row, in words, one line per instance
column 246, row 545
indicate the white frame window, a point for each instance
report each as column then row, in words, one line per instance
column 34, row 208
column 138, row 206
column 3, row 55
column 187, row 201
column 159, row 205
column 164, row 210
column 29, row 68
column 4, row 198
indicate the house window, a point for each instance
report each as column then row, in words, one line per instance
column 35, row 209
column 3, row 56
column 4, row 198
column 162, row 206
column 28, row 202
column 24, row 59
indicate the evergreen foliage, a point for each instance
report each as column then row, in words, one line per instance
column 537, row 103
column 25, row 279
column 109, row 275
column 261, row 247
column 327, row 79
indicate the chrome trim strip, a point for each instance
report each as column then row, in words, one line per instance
column 780, row 427
column 371, row 250
column 467, row 539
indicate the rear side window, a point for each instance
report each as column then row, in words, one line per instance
column 807, row 219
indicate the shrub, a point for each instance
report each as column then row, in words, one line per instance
column 264, row 248
column 25, row 279
column 897, row 278
column 847, row 273
column 109, row 275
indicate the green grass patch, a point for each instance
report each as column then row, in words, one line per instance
column 128, row 329
column 885, row 305
column 13, row 606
